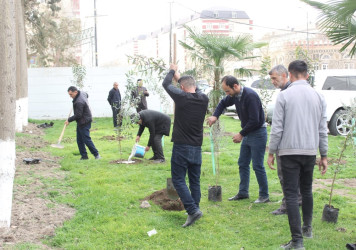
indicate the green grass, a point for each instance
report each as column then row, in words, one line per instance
column 107, row 198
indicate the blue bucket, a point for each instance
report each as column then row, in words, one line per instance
column 139, row 151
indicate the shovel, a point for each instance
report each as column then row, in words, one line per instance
column 58, row 145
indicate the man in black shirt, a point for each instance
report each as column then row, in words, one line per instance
column 158, row 124
column 82, row 115
column 187, row 138
column 114, row 100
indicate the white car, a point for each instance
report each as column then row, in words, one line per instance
column 338, row 86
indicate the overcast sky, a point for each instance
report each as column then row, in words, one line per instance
column 124, row 19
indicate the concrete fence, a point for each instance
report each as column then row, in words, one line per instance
column 48, row 97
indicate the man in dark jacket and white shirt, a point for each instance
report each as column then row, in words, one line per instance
column 114, row 100
column 297, row 142
column 158, row 124
column 82, row 115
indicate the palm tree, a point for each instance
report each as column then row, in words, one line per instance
column 338, row 22
column 213, row 51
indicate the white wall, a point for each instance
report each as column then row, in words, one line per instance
column 48, row 97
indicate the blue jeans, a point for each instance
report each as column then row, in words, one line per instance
column 297, row 171
column 187, row 158
column 253, row 147
column 83, row 138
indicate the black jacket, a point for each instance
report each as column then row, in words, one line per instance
column 114, row 97
column 82, row 114
column 156, row 122
column 189, row 113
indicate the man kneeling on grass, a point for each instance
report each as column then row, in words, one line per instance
column 158, row 124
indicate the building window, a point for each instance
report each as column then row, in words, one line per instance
column 324, row 66
column 325, row 57
column 316, row 66
column 349, row 65
column 216, row 14
column 234, row 14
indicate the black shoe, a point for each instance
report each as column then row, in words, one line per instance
column 262, row 200
column 351, row 246
column 159, row 161
column 84, row 158
column 152, row 158
column 193, row 218
column 307, row 232
column 238, row 197
column 279, row 211
column 97, row 157
column 293, row 245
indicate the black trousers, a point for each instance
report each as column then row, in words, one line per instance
column 115, row 113
column 297, row 172
column 157, row 147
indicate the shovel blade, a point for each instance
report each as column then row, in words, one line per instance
column 57, row 146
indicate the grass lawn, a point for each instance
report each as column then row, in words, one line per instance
column 107, row 197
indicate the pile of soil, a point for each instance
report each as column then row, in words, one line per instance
column 35, row 214
column 161, row 199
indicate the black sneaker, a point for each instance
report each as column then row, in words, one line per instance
column 159, row 161
column 279, row 211
column 307, row 232
column 152, row 158
column 297, row 245
column 84, row 158
column 262, row 200
column 193, row 218
column 238, row 197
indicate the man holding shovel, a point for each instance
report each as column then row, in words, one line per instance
column 187, row 138
column 82, row 115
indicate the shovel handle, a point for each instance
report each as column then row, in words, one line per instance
column 61, row 136
column 64, row 128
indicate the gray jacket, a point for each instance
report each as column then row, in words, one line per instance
column 299, row 123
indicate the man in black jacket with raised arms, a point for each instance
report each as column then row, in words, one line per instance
column 187, row 138
column 82, row 115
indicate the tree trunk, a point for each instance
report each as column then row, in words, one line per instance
column 21, row 70
column 7, row 107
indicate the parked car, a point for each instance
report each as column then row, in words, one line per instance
column 339, row 89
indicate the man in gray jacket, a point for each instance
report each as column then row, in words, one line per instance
column 279, row 78
column 297, row 143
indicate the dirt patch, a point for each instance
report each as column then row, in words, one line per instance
column 331, row 161
column 35, row 214
column 161, row 199
column 322, row 184
column 122, row 161
column 112, row 138
column 31, row 128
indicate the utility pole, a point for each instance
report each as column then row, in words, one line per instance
column 95, row 36
column 307, row 32
column 170, row 32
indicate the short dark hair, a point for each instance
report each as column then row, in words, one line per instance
column 298, row 67
column 139, row 80
column 72, row 89
column 187, row 81
column 230, row 81
column 135, row 117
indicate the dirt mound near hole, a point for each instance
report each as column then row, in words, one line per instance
column 161, row 199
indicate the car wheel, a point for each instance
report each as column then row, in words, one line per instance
column 340, row 123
